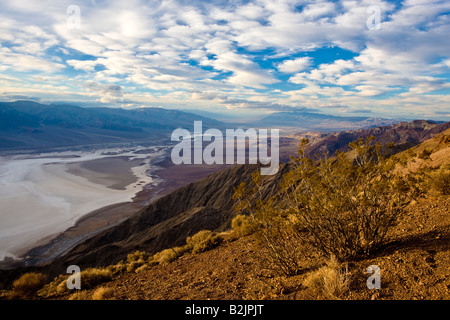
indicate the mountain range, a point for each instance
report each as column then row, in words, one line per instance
column 403, row 135
column 28, row 125
column 301, row 119
column 31, row 125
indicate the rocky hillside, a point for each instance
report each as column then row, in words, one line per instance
column 415, row 266
column 321, row 122
column 404, row 135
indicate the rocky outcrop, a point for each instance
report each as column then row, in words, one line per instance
column 404, row 135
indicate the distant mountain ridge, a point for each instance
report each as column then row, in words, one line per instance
column 404, row 135
column 28, row 124
column 319, row 121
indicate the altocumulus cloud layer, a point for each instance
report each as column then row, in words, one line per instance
column 258, row 55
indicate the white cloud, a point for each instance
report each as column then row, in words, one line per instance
column 319, row 9
column 370, row 90
column 174, row 48
column 295, row 65
column 85, row 65
column 11, row 60
column 244, row 71
column 106, row 93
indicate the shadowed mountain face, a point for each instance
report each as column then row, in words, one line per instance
column 30, row 125
column 205, row 204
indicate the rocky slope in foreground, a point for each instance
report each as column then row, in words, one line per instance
column 414, row 266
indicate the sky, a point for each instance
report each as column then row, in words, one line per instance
column 371, row 58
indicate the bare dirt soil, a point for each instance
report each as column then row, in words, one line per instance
column 415, row 264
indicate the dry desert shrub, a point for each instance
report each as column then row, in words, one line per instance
column 101, row 293
column 137, row 256
column 203, row 240
column 80, row 295
column 243, row 225
column 263, row 289
column 135, row 260
column 92, row 277
column 440, row 181
column 144, row 267
column 342, row 206
column 425, row 154
column 56, row 287
column 27, row 285
column 164, row 256
column 118, row 268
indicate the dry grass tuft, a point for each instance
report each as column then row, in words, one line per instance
column 80, row 295
column 330, row 281
column 94, row 276
column 165, row 256
column 102, row 293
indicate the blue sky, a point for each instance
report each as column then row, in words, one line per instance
column 239, row 57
